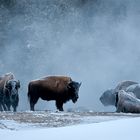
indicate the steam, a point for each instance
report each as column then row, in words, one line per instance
column 96, row 42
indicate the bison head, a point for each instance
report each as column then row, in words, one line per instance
column 108, row 97
column 74, row 89
column 12, row 86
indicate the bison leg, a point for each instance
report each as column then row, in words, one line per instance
column 4, row 106
column 33, row 101
column 15, row 104
column 59, row 105
column 1, row 109
column 32, row 106
column 8, row 107
column 14, row 108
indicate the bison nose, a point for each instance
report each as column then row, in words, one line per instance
column 101, row 98
column 76, row 98
column 13, row 92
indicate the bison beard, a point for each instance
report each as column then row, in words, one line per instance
column 58, row 88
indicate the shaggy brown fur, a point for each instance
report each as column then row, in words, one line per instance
column 58, row 88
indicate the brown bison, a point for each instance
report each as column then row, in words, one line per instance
column 9, row 92
column 58, row 88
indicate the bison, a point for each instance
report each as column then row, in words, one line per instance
column 127, row 102
column 109, row 96
column 125, row 97
column 58, row 88
column 9, row 92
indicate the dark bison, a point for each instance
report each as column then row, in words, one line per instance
column 127, row 102
column 109, row 96
column 58, row 88
column 9, row 92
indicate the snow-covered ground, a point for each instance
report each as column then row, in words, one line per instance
column 69, row 126
column 48, row 119
column 124, row 129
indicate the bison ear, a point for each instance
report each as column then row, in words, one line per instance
column 18, row 84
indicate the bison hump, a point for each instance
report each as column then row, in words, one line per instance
column 56, row 83
column 124, row 84
column 6, row 77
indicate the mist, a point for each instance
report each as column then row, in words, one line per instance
column 95, row 42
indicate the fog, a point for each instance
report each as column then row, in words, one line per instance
column 96, row 42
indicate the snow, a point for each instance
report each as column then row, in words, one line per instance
column 127, row 128
column 13, row 125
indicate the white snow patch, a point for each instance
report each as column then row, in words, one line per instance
column 110, row 130
column 13, row 125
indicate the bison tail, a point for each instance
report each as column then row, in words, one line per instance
column 28, row 94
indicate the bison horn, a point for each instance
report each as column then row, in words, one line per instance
column 69, row 84
column 80, row 84
column 18, row 84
